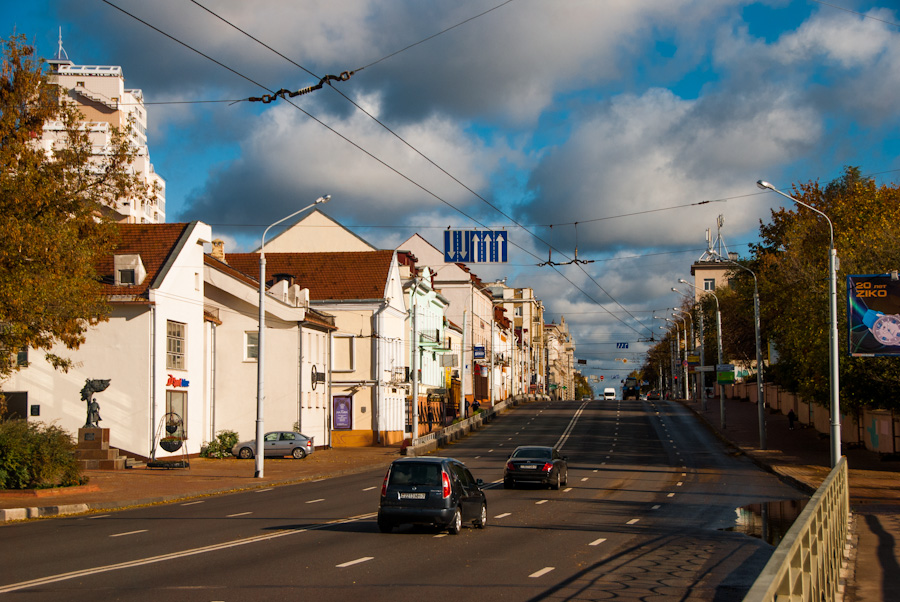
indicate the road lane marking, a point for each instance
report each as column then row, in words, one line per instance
column 440, row 535
column 321, row 499
column 357, row 561
column 567, row 489
column 238, row 514
column 679, row 484
column 656, row 507
column 98, row 516
column 263, row 490
column 671, row 495
column 538, row 503
column 193, row 503
column 583, row 479
column 175, row 555
column 632, row 521
column 504, row 515
column 597, row 542
column 370, row 488
column 128, row 533
column 541, row 572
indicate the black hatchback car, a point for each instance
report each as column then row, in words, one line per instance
column 431, row 491
column 536, row 464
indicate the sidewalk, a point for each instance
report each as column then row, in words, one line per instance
column 803, row 457
column 108, row 489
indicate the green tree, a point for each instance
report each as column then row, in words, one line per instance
column 793, row 269
column 52, row 202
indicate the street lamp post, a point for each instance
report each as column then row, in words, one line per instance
column 684, row 370
column 691, row 318
column 675, row 360
column 760, row 399
column 261, row 338
column 833, row 342
column 722, row 420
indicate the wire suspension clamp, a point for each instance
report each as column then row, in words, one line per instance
column 285, row 93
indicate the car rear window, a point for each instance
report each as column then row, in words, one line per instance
column 531, row 452
column 412, row 473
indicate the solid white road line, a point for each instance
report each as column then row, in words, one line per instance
column 321, row 499
column 238, row 514
column 193, row 503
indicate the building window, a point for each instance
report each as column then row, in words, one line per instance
column 126, row 277
column 251, row 346
column 176, row 405
column 22, row 357
column 175, row 335
column 343, row 353
column 709, row 284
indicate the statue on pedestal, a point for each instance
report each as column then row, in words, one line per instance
column 92, row 386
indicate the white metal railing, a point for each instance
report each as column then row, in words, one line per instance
column 807, row 563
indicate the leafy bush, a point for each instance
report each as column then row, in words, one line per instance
column 221, row 446
column 37, row 456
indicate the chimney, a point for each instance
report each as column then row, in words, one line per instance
column 218, row 250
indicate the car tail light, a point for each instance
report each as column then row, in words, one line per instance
column 384, row 484
column 547, row 467
column 510, row 466
column 445, row 481
column 309, row 443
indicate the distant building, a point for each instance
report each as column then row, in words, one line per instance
column 99, row 93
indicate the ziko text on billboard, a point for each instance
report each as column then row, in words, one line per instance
column 873, row 315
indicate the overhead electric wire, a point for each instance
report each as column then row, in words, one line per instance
column 444, row 171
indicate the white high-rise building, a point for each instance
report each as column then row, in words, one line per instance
column 99, row 93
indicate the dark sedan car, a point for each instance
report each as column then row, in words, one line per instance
column 536, row 464
column 431, row 491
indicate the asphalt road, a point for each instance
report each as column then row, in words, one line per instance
column 649, row 498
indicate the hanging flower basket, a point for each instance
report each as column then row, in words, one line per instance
column 171, row 444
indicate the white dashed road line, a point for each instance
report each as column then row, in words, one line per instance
column 128, row 533
column 541, row 572
column 357, row 561
column 597, row 542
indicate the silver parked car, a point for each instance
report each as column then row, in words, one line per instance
column 277, row 444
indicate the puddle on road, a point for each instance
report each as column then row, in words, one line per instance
column 769, row 521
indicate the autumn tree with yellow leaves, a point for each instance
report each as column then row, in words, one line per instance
column 52, row 224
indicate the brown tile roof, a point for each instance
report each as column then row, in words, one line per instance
column 347, row 275
column 155, row 243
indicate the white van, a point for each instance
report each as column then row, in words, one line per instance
column 609, row 393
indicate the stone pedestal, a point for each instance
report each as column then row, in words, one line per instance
column 94, row 453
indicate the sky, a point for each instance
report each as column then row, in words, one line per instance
column 620, row 129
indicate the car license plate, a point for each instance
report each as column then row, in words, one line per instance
column 412, row 496
column 528, row 466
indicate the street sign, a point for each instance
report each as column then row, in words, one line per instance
column 621, row 345
column 724, row 374
column 479, row 352
column 475, row 246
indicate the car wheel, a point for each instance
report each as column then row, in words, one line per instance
column 456, row 523
column 555, row 484
column 246, row 453
column 566, row 478
column 384, row 526
column 299, row 453
column 481, row 521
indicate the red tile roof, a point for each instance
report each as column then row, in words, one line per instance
column 155, row 243
column 328, row 276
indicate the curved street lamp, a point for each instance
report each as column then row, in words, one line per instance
column 760, row 400
column 833, row 340
column 719, row 345
column 261, row 338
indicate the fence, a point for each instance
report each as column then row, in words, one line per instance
column 807, row 563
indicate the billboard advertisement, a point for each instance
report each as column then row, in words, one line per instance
column 873, row 315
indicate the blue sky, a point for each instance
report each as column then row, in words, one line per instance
column 619, row 117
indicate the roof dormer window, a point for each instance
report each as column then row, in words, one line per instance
column 129, row 270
